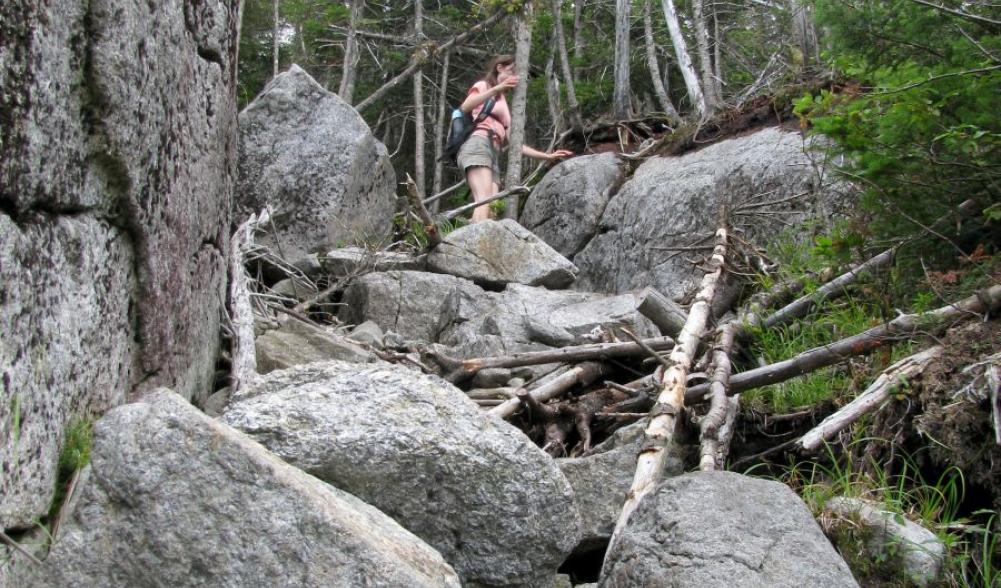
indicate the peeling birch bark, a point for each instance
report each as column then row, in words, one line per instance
column 671, row 400
column 713, row 421
column 582, row 374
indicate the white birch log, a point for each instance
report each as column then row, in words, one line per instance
column 671, row 400
column 244, row 355
column 872, row 398
column 582, row 374
column 654, row 66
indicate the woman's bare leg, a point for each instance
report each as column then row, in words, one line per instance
column 481, row 184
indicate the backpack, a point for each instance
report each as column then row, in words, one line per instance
column 462, row 127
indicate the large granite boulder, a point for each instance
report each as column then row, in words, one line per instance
column 673, row 202
column 117, row 154
column 437, row 308
column 471, row 485
column 565, row 208
column 501, row 252
column 310, row 155
column 723, row 529
column 299, row 343
column 175, row 498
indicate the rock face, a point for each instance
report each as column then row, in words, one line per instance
column 673, row 202
column 117, row 159
column 918, row 552
column 455, row 312
column 498, row 253
column 195, row 503
column 723, row 529
column 310, row 156
column 564, row 209
column 474, row 487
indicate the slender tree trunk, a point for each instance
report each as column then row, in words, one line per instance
column 621, row 108
column 692, row 84
column 651, row 60
column 419, row 134
column 275, row 29
column 705, row 61
column 439, row 131
column 578, row 36
column 516, row 138
column 718, row 57
column 568, row 78
column 351, row 54
column 553, row 92
column 805, row 35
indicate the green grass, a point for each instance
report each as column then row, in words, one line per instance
column 74, row 456
column 971, row 542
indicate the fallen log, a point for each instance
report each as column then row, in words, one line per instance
column 886, row 384
column 671, row 400
column 720, row 406
column 583, row 375
column 801, row 306
column 931, row 322
column 459, row 370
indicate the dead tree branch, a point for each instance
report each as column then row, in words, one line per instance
column 931, row 322
column 458, row 370
column 713, row 421
column 413, row 195
column 243, row 351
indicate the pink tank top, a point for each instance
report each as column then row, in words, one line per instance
column 500, row 116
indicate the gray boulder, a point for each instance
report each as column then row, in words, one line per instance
column 565, row 208
column 436, row 308
column 472, row 486
column 601, row 480
column 673, row 202
column 299, row 343
column 192, row 502
column 348, row 261
column 367, row 333
column 723, row 529
column 498, row 253
column 117, row 153
column 311, row 156
column 918, row 552
column 295, row 289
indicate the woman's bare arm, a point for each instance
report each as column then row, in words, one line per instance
column 536, row 154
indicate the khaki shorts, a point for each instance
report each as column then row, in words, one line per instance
column 479, row 151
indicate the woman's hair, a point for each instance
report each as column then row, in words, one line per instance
column 491, row 75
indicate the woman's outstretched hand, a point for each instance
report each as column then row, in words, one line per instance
column 559, row 154
column 507, row 83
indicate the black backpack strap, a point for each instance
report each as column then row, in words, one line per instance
column 482, row 116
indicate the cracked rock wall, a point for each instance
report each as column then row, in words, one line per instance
column 117, row 151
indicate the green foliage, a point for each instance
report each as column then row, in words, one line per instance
column 924, row 135
column 74, row 456
column 414, row 233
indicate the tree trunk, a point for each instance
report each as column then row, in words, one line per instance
column 684, row 60
column 419, row 134
column 516, row 136
column 718, row 55
column 651, row 60
column 804, row 35
column 553, row 93
column 351, row 54
column 705, row 61
column 275, row 29
column 671, row 400
column 578, row 37
column 621, row 107
column 568, row 78
column 719, row 407
column 439, row 132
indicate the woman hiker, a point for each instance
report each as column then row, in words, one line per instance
column 479, row 157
